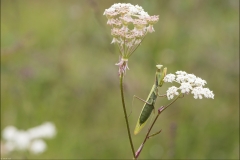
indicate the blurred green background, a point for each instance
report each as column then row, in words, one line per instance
column 57, row 64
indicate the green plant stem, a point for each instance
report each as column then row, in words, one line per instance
column 125, row 114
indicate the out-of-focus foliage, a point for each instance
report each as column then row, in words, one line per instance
column 57, row 64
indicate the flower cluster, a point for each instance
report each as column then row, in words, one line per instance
column 189, row 83
column 27, row 140
column 129, row 25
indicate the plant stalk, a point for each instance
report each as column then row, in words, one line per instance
column 125, row 114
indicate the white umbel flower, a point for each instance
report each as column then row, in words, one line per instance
column 171, row 92
column 129, row 24
column 197, row 92
column 183, row 73
column 189, row 83
column 200, row 82
column 185, row 87
column 191, row 78
column 207, row 93
column 169, row 78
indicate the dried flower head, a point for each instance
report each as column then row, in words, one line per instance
column 130, row 24
column 189, row 83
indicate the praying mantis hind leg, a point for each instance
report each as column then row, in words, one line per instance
column 134, row 96
column 142, row 100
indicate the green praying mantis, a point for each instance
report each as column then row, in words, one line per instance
column 148, row 106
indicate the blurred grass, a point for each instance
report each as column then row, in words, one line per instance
column 57, row 64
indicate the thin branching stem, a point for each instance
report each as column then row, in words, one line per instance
column 135, row 47
column 172, row 102
column 125, row 114
column 149, row 130
column 120, row 49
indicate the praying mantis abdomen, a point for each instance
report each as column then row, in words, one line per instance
column 146, row 112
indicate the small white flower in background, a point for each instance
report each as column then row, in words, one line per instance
column 46, row 130
column 37, row 146
column 28, row 140
column 9, row 133
column 130, row 24
column 22, row 140
column 189, row 83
